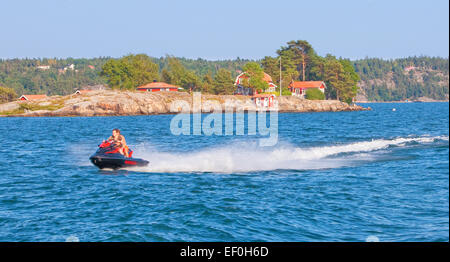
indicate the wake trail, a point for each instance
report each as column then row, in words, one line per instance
column 249, row 157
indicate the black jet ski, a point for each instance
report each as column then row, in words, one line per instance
column 108, row 156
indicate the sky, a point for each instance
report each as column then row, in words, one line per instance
column 222, row 29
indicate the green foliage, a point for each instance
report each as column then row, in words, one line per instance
column 255, row 78
column 130, row 71
column 207, row 84
column 380, row 80
column 303, row 53
column 223, row 83
column 289, row 66
column 405, row 78
column 285, row 92
column 271, row 67
column 7, row 94
column 202, row 67
column 24, row 76
column 175, row 73
column 299, row 61
column 340, row 78
column 314, row 94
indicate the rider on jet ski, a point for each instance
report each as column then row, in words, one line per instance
column 119, row 140
column 114, row 153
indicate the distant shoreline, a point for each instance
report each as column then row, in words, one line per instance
column 132, row 103
column 403, row 102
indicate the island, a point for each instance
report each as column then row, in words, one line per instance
column 127, row 103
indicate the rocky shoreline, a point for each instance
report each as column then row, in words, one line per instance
column 126, row 103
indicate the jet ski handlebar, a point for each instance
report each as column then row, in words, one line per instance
column 107, row 143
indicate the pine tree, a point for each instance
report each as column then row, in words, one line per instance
column 223, row 83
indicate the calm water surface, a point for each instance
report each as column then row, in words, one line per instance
column 331, row 177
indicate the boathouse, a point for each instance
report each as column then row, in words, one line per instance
column 264, row 100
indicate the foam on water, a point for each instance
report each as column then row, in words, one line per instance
column 249, row 157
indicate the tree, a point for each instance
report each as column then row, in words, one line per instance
column 341, row 79
column 332, row 72
column 255, row 77
column 143, row 69
column 303, row 52
column 7, row 94
column 299, row 61
column 271, row 67
column 223, row 82
column 207, row 83
column 350, row 80
column 317, row 70
column 288, row 65
column 130, row 71
column 175, row 73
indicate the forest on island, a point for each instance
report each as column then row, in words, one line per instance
column 405, row 78
column 372, row 78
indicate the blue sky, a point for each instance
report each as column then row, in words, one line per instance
column 222, row 29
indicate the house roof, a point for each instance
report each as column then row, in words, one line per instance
column 266, row 77
column 157, row 85
column 306, row 84
column 263, row 95
column 33, row 97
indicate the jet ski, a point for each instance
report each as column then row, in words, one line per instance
column 108, row 156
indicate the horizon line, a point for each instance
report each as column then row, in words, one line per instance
column 215, row 59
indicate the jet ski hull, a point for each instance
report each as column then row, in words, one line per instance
column 116, row 162
column 107, row 156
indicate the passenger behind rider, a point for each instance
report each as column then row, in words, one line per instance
column 119, row 140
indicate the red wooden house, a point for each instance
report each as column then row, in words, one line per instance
column 298, row 88
column 242, row 90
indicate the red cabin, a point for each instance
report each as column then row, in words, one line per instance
column 298, row 88
column 158, row 86
column 32, row 97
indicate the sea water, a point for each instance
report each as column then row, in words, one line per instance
column 337, row 176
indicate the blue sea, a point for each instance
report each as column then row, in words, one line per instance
column 379, row 175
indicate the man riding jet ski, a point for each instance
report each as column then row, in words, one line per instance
column 114, row 153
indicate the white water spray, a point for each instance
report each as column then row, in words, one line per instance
column 248, row 157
